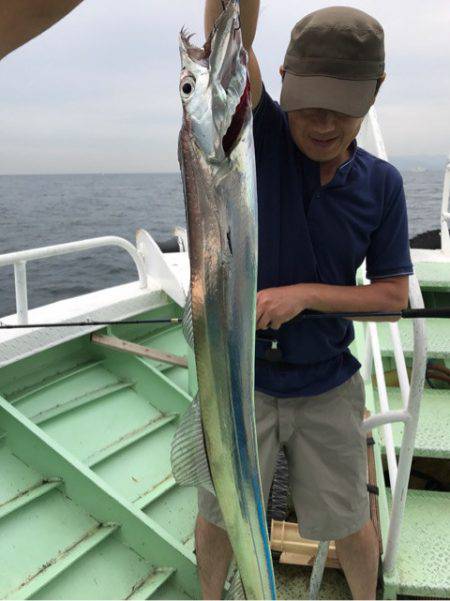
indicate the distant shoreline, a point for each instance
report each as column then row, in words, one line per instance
column 102, row 173
column 410, row 168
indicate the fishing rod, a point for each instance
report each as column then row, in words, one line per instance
column 89, row 322
column 442, row 312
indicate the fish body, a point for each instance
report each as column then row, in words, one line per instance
column 218, row 170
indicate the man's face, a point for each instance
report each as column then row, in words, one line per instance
column 321, row 134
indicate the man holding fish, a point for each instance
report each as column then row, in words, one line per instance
column 324, row 205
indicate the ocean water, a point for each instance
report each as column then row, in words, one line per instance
column 40, row 210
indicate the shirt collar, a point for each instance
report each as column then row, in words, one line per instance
column 345, row 167
column 340, row 177
column 342, row 172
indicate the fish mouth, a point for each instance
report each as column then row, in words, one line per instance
column 201, row 56
column 197, row 54
column 222, row 63
column 237, row 122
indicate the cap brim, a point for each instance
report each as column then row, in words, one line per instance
column 350, row 97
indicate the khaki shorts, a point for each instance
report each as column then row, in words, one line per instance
column 326, row 451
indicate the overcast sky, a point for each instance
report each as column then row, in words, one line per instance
column 99, row 91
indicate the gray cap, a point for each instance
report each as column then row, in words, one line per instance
column 334, row 59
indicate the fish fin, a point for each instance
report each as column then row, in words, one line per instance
column 188, row 456
column 236, row 588
column 187, row 327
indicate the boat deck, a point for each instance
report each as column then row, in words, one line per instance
column 73, row 542
column 84, row 449
column 113, row 414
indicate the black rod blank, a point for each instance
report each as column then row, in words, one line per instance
column 442, row 312
column 6, row 326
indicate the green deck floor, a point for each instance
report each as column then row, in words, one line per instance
column 438, row 335
column 423, row 561
column 114, row 414
column 433, row 433
column 51, row 548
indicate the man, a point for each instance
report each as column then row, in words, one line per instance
column 324, row 205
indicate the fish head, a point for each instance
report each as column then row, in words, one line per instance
column 214, row 86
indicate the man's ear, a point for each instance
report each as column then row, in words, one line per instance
column 282, row 71
column 379, row 82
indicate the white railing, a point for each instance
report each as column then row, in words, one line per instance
column 386, row 417
column 409, row 415
column 445, row 212
column 409, row 434
column 411, row 393
column 20, row 258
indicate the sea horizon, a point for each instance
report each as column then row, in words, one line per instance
column 46, row 209
column 432, row 162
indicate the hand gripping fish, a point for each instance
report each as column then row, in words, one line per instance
column 217, row 163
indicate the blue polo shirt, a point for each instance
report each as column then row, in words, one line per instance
column 313, row 233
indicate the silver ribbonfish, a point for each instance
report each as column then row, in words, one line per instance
column 218, row 168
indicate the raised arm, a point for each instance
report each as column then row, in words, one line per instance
column 249, row 20
column 23, row 20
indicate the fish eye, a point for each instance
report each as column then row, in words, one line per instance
column 187, row 86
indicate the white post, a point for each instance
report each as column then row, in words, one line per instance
column 410, row 413
column 384, row 404
column 445, row 214
column 20, row 278
column 400, row 363
column 407, row 449
column 375, row 355
column 366, row 370
column 315, row 580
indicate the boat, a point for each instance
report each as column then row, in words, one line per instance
column 89, row 508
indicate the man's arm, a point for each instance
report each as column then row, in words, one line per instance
column 23, row 20
column 249, row 20
column 278, row 305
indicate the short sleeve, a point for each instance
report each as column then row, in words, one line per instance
column 388, row 254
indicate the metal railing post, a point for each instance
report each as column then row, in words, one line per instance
column 411, row 393
column 410, row 429
column 376, row 359
column 400, row 363
column 20, row 280
column 384, row 403
column 445, row 212
column 20, row 258
column 366, row 371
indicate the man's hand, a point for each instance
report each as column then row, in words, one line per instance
column 249, row 10
column 275, row 306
